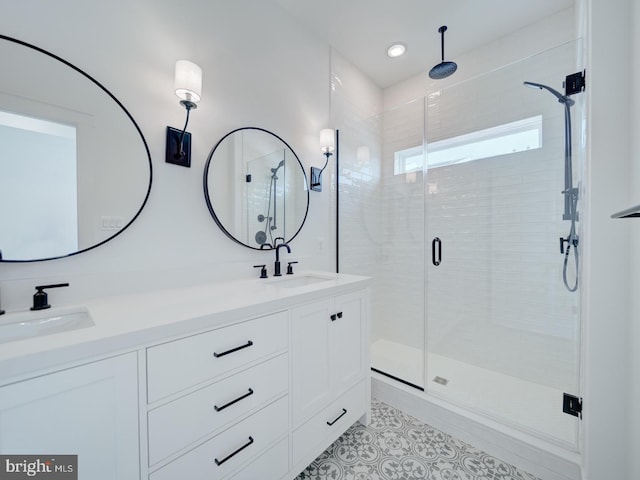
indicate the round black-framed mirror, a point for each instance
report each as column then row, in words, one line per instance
column 256, row 188
column 76, row 170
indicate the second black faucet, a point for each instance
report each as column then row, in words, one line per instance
column 276, row 267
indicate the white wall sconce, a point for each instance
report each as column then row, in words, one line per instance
column 188, row 88
column 327, row 146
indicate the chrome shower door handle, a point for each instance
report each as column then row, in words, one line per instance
column 436, row 251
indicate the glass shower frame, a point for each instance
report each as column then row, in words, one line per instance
column 491, row 328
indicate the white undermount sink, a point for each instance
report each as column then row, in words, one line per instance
column 301, row 280
column 21, row 325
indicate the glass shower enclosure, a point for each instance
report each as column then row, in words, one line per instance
column 453, row 204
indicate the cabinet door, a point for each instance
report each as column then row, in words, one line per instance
column 310, row 374
column 346, row 342
column 90, row 411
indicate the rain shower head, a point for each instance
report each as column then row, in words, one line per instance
column 443, row 69
column 561, row 98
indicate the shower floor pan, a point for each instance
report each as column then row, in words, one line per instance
column 522, row 404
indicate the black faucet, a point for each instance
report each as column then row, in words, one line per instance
column 277, row 264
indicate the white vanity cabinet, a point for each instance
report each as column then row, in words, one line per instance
column 89, row 410
column 241, row 381
column 330, row 386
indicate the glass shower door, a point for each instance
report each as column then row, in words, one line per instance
column 503, row 330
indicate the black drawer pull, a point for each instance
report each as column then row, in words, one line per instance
column 218, row 409
column 344, row 412
column 339, row 314
column 218, row 355
column 333, row 317
column 220, row 462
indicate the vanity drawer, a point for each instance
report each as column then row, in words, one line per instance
column 255, row 434
column 317, row 431
column 177, row 424
column 272, row 465
column 177, row 365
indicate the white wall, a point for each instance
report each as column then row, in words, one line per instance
column 607, row 319
column 634, row 256
column 260, row 69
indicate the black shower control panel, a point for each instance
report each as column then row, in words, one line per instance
column 574, row 83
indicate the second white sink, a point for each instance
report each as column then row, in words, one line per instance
column 299, row 280
column 21, row 325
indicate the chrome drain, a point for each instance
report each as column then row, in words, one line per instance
column 441, row 381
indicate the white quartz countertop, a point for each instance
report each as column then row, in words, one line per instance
column 128, row 322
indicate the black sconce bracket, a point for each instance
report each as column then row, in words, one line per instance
column 316, row 179
column 178, row 147
column 175, row 154
column 316, row 175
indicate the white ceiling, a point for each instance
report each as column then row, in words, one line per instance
column 362, row 30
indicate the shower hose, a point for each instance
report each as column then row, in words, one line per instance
column 572, row 240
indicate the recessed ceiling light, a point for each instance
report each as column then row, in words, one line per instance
column 396, row 50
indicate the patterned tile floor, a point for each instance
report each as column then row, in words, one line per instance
column 396, row 446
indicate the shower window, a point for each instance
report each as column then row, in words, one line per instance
column 408, row 161
column 508, row 138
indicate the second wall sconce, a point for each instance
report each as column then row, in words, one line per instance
column 188, row 88
column 327, row 145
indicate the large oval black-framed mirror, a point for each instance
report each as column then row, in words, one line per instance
column 75, row 171
column 256, row 188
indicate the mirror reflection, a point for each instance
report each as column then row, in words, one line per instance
column 75, row 169
column 256, row 188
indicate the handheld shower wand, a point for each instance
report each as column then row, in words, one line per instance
column 570, row 192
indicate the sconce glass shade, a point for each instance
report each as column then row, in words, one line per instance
column 327, row 140
column 188, row 81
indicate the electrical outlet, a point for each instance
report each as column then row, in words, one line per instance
column 111, row 222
